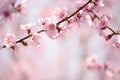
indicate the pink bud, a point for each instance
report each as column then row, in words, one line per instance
column 104, row 19
column 108, row 37
column 117, row 43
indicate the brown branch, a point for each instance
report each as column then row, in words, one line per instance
column 24, row 38
column 101, row 21
column 66, row 18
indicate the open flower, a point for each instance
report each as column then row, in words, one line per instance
column 61, row 13
column 49, row 26
column 35, row 39
column 9, row 40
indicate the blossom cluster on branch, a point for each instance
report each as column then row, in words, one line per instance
column 94, row 65
column 60, row 22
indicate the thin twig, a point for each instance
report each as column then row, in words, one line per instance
column 101, row 21
column 24, row 38
column 66, row 18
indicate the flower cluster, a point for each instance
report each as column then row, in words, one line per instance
column 10, row 7
column 57, row 25
column 92, row 64
column 51, row 27
column 35, row 37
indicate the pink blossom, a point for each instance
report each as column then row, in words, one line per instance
column 49, row 26
column 76, row 19
column 92, row 64
column 35, row 39
column 9, row 40
column 27, row 27
column 85, row 16
column 61, row 13
column 117, row 43
column 79, row 17
column 108, row 37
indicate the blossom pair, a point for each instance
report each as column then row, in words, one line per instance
column 52, row 29
column 11, row 42
column 10, row 39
